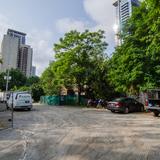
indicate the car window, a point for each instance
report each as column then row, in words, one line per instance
column 128, row 100
column 134, row 101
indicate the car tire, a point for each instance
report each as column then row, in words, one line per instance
column 113, row 111
column 156, row 113
column 29, row 109
column 126, row 111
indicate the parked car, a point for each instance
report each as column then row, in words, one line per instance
column 20, row 100
column 154, row 108
column 125, row 105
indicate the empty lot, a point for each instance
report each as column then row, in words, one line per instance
column 69, row 133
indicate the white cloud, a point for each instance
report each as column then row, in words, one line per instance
column 99, row 10
column 67, row 24
column 41, row 43
column 4, row 25
column 102, row 12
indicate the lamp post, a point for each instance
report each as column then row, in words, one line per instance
column 7, row 78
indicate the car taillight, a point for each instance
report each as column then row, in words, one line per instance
column 119, row 104
column 146, row 102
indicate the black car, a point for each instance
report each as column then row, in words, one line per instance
column 125, row 105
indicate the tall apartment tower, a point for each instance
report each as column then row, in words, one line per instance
column 25, row 59
column 124, row 10
column 9, row 52
column 15, row 53
column 21, row 36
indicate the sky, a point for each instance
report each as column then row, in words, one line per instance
column 45, row 21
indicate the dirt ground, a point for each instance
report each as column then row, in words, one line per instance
column 68, row 133
column 5, row 115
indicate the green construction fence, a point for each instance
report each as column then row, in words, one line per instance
column 63, row 100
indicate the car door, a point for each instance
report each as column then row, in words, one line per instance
column 135, row 105
column 131, row 104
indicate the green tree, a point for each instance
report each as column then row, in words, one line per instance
column 2, row 81
column 79, row 57
column 135, row 64
column 32, row 80
column 18, row 79
column 50, row 83
column 37, row 92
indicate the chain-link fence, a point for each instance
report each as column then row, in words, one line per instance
column 5, row 117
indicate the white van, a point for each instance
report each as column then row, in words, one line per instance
column 21, row 100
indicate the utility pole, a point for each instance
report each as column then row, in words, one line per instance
column 12, row 109
column 7, row 80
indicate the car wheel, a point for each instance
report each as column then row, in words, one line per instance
column 126, row 111
column 156, row 113
column 29, row 109
column 113, row 111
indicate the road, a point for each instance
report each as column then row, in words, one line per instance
column 72, row 133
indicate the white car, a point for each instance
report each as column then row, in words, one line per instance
column 20, row 100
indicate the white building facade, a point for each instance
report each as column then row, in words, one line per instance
column 124, row 9
column 9, row 52
column 15, row 53
column 33, row 71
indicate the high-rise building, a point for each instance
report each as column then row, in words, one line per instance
column 25, row 59
column 124, row 10
column 19, row 35
column 9, row 51
column 33, row 71
column 15, row 53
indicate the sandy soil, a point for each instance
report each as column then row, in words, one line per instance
column 5, row 115
column 67, row 133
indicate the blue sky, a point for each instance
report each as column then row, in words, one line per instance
column 45, row 21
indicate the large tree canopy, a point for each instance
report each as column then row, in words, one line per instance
column 79, row 56
column 80, row 62
column 135, row 64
